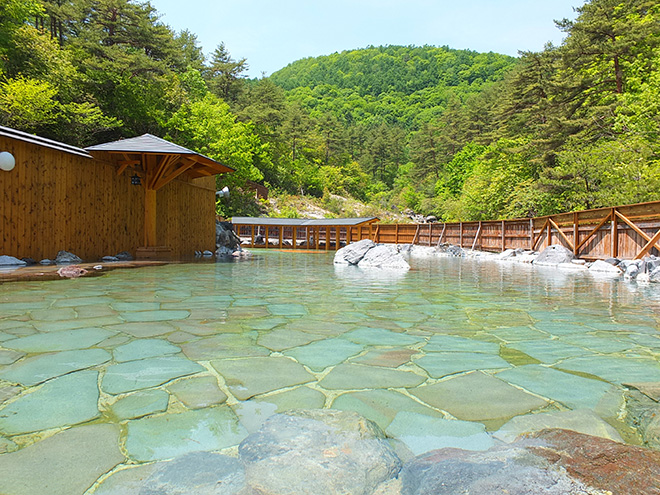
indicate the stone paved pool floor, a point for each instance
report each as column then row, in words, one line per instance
column 107, row 374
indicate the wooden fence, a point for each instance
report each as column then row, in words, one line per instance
column 630, row 232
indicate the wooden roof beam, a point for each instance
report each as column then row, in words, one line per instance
column 186, row 164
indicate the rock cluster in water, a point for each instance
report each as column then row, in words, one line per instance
column 327, row 452
column 368, row 254
column 227, row 243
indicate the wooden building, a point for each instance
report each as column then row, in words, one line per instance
column 143, row 195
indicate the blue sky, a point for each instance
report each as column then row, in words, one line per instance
column 274, row 33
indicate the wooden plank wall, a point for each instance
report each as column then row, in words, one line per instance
column 54, row 200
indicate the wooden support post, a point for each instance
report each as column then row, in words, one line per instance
column 349, row 231
column 561, row 233
column 476, row 237
column 442, row 234
column 327, row 238
column 416, row 233
column 337, row 237
column 280, row 232
column 376, row 234
column 614, row 249
column 549, row 230
column 266, row 236
column 370, row 231
column 150, row 238
column 576, row 233
column 503, row 236
column 649, row 245
column 317, row 237
column 295, row 237
column 360, row 233
column 251, row 236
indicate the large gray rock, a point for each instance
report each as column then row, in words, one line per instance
column 64, row 257
column 353, row 253
column 317, row 451
column 512, row 470
column 384, row 257
column 553, row 255
column 11, row 261
column 655, row 275
column 225, row 236
column 604, row 267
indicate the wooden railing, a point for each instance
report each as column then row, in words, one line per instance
column 630, row 232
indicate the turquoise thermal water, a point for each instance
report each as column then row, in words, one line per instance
column 195, row 356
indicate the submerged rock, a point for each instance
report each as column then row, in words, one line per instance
column 71, row 271
column 124, row 256
column 319, row 452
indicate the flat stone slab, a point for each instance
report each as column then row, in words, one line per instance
column 381, row 336
column 146, row 373
column 198, row 392
column 573, row 391
column 478, row 397
column 172, row 435
column 144, row 348
column 549, row 351
column 320, row 355
column 284, row 338
column 291, row 309
column 144, row 330
column 64, row 340
column 439, row 364
column 452, row 343
column 64, row 401
column 423, row 433
column 297, row 398
column 650, row 389
column 581, row 420
column 516, row 334
column 38, row 369
column 224, row 346
column 140, row 404
column 387, row 358
column 65, row 464
column 58, row 326
column 615, row 369
column 127, row 481
column 356, row 376
column 248, row 377
column 381, row 406
column 159, row 315
column 599, row 344
column 9, row 357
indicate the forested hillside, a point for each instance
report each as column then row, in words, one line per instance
column 455, row 133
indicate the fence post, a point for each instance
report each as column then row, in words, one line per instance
column 614, row 251
column 576, row 233
column 549, row 234
column 503, row 237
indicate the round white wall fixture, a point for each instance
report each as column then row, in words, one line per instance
column 7, row 161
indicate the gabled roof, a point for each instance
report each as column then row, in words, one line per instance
column 38, row 140
column 153, row 145
column 304, row 222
